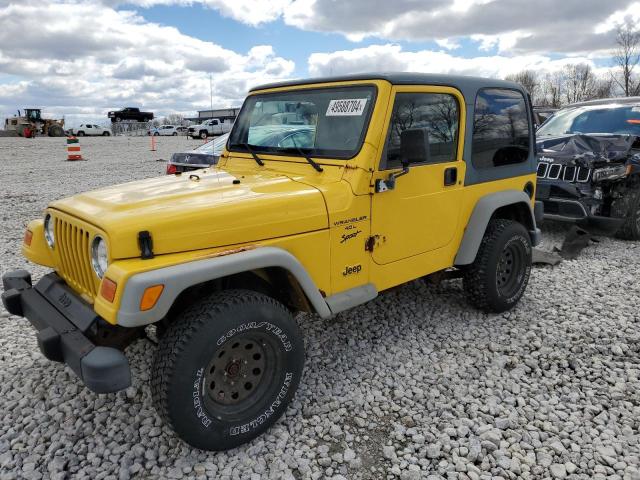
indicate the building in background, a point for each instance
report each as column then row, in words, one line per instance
column 221, row 113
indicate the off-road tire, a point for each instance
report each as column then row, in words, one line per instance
column 630, row 210
column 503, row 239
column 186, row 380
column 55, row 131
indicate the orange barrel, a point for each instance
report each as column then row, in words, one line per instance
column 73, row 149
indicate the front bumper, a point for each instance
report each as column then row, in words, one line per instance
column 565, row 202
column 63, row 322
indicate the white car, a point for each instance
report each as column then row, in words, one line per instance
column 89, row 129
column 170, row 130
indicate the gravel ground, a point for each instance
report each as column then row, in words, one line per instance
column 415, row 384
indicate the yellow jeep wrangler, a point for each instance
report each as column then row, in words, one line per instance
column 329, row 192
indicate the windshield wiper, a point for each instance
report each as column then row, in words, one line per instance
column 311, row 161
column 252, row 152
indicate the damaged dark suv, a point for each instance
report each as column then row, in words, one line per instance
column 589, row 166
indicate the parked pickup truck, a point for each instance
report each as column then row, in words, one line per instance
column 130, row 113
column 375, row 180
column 210, row 128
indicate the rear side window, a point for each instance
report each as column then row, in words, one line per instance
column 438, row 113
column 500, row 128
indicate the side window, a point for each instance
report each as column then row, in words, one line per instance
column 438, row 113
column 500, row 128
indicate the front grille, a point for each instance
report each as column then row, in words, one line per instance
column 74, row 257
column 568, row 173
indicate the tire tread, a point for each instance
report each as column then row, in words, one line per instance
column 179, row 334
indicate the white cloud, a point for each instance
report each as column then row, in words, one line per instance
column 391, row 57
column 631, row 14
column 523, row 26
column 251, row 12
column 448, row 43
column 89, row 58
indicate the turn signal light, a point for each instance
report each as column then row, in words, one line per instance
column 171, row 169
column 108, row 289
column 28, row 236
column 150, row 297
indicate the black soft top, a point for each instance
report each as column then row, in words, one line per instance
column 461, row 82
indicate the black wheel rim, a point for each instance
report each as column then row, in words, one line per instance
column 510, row 269
column 239, row 374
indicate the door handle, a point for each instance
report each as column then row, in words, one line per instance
column 450, row 176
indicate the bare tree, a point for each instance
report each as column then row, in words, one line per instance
column 174, row 119
column 553, row 90
column 604, row 88
column 530, row 80
column 627, row 57
column 580, row 83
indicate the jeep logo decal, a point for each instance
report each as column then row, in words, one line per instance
column 351, row 270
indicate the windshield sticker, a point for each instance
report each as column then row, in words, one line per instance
column 346, row 107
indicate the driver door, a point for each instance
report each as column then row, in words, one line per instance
column 421, row 214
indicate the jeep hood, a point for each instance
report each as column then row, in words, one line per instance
column 585, row 150
column 209, row 208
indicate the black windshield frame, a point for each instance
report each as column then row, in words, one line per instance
column 251, row 99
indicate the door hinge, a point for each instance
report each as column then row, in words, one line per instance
column 370, row 243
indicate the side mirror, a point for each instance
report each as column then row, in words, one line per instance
column 414, row 148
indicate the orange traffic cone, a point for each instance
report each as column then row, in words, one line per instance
column 73, row 149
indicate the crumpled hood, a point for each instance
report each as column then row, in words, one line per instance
column 204, row 209
column 585, row 150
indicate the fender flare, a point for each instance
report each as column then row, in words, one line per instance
column 482, row 213
column 177, row 278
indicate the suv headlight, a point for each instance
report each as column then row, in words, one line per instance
column 49, row 235
column 99, row 256
column 609, row 173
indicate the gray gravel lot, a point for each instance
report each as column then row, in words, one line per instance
column 415, row 384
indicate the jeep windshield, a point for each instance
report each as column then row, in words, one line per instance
column 323, row 122
column 609, row 119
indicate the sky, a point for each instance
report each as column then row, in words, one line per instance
column 81, row 58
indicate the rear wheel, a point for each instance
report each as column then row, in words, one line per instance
column 499, row 275
column 106, row 134
column 225, row 371
column 630, row 210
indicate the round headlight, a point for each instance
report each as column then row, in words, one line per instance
column 99, row 257
column 48, row 230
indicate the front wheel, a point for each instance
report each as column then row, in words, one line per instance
column 629, row 208
column 498, row 277
column 174, row 134
column 204, row 135
column 80, row 134
column 226, row 369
